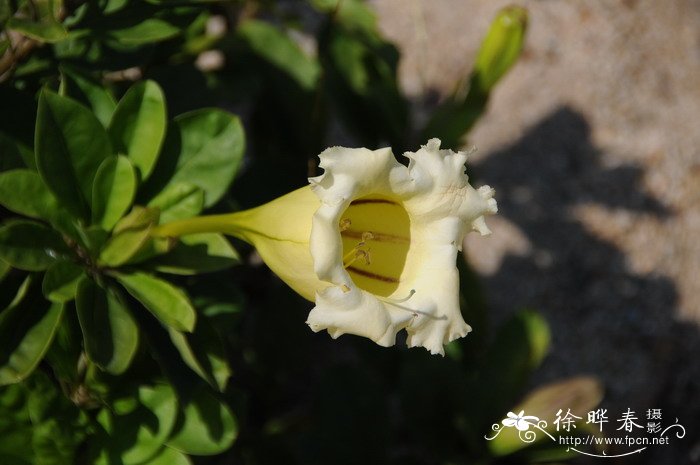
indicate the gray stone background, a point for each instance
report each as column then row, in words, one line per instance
column 593, row 145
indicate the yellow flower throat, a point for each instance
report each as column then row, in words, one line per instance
column 376, row 234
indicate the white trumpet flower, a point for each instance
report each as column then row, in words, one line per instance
column 372, row 242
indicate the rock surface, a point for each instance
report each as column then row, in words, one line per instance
column 592, row 143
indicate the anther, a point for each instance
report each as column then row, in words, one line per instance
column 354, row 255
column 345, row 224
column 358, row 251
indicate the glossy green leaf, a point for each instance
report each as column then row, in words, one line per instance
column 61, row 281
column 138, row 218
column 178, row 201
column 22, row 191
column 131, row 234
column 110, row 332
column 44, row 31
column 138, row 125
column 147, row 31
column 21, row 292
column 89, row 91
column 123, row 246
column 66, row 349
column 198, row 253
column 70, row 145
column 113, row 191
column 136, row 428
column 352, row 14
column 30, row 246
column 169, row 456
column 168, row 303
column 94, row 238
column 27, row 329
column 153, row 247
column 205, row 427
column 204, row 148
column 204, row 353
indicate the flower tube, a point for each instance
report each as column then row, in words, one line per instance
column 372, row 242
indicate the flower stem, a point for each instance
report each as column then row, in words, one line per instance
column 229, row 223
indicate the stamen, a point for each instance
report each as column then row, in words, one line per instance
column 358, row 251
column 357, row 255
column 410, row 294
column 345, row 224
column 396, row 303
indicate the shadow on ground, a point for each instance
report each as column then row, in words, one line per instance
column 606, row 320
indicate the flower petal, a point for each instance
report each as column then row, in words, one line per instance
column 441, row 207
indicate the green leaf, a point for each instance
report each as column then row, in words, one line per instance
column 198, row 253
column 30, row 246
column 360, row 71
column 204, row 148
column 501, row 47
column 205, row 427
column 4, row 269
column 84, row 88
column 5, row 13
column 168, row 456
column 110, row 332
column 147, row 31
column 178, row 201
column 168, row 303
column 519, row 347
column 113, row 191
column 16, row 446
column 131, row 235
column 12, row 157
column 70, row 146
column 153, row 247
column 500, row 50
column 61, row 281
column 53, row 444
column 138, row 125
column 280, row 50
column 94, row 238
column 66, row 350
column 136, row 428
column 21, row 292
column 204, row 353
column 138, row 218
column 27, row 329
column 123, row 246
column 45, row 31
column 580, row 394
column 22, row 191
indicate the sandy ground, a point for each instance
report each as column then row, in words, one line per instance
column 592, row 145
